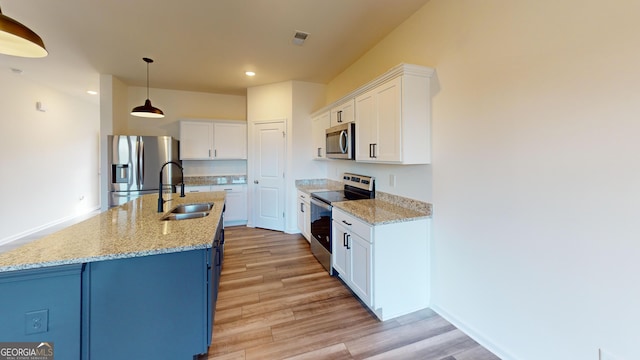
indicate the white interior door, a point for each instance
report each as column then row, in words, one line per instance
column 268, row 169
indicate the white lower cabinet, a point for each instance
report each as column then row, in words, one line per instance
column 352, row 261
column 352, row 253
column 235, row 203
column 304, row 215
column 386, row 266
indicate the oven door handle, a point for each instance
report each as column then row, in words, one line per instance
column 321, row 204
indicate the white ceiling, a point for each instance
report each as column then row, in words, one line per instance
column 199, row 45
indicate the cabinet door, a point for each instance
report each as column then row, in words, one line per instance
column 366, row 120
column 307, row 220
column 300, row 216
column 318, row 126
column 196, row 140
column 230, row 141
column 378, row 114
column 360, row 256
column 131, row 299
column 341, row 252
column 388, row 127
column 343, row 113
column 235, row 205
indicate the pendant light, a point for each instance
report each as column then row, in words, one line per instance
column 147, row 110
column 18, row 40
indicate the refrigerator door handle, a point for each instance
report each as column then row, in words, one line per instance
column 140, row 162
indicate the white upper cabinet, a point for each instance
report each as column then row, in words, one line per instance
column 393, row 121
column 319, row 124
column 213, row 140
column 392, row 114
column 229, row 140
column 196, row 140
column 343, row 113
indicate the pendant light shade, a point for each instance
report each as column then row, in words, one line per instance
column 147, row 110
column 18, row 40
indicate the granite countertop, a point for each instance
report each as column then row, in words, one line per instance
column 379, row 212
column 131, row 230
column 216, row 180
column 309, row 186
column 384, row 209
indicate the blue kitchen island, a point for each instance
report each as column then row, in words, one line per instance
column 124, row 284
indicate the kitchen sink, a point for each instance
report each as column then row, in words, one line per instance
column 184, row 216
column 188, row 211
column 192, row 208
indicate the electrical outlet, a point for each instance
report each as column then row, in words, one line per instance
column 392, row 180
column 36, row 322
column 605, row 355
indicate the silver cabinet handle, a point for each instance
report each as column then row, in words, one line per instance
column 255, row 181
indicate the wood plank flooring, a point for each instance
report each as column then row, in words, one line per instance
column 277, row 302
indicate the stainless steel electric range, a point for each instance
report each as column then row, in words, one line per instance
column 356, row 187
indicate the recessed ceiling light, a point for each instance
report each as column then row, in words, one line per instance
column 250, row 73
column 92, row 92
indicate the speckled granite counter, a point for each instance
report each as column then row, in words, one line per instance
column 131, row 230
column 379, row 212
column 384, row 209
column 310, row 185
column 216, row 180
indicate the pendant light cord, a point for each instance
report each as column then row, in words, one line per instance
column 147, row 80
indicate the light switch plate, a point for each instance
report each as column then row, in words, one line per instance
column 36, row 322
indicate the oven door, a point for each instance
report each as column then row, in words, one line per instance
column 321, row 232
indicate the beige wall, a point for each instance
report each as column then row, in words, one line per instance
column 177, row 105
column 536, row 166
column 291, row 102
column 49, row 159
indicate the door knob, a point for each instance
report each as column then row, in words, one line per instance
column 255, row 181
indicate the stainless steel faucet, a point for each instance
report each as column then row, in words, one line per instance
column 160, row 200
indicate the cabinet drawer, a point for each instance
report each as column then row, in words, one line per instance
column 302, row 196
column 352, row 224
column 196, row 188
column 229, row 188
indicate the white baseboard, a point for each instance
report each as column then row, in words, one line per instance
column 474, row 334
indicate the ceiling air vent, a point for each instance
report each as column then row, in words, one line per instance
column 299, row 37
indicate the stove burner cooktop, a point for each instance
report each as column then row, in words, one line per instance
column 356, row 187
column 329, row 196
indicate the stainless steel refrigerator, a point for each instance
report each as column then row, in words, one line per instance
column 134, row 166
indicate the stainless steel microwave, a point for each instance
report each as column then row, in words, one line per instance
column 341, row 141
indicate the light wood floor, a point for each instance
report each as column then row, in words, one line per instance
column 277, row 302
